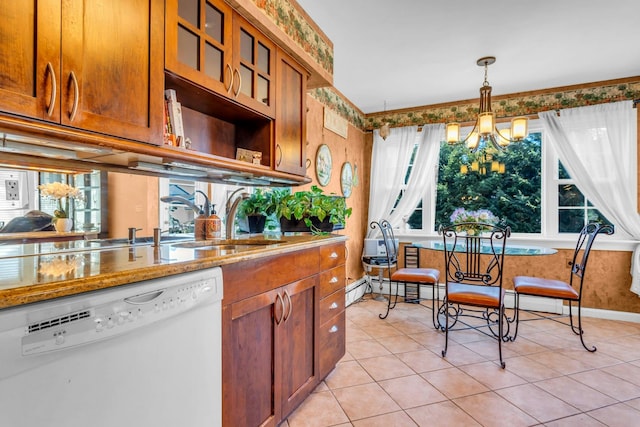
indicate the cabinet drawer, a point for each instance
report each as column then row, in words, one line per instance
column 332, row 343
column 332, row 280
column 331, row 256
column 247, row 278
column 331, row 306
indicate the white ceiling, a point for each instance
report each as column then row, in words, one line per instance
column 411, row 53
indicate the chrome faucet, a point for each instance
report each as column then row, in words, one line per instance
column 132, row 235
column 232, row 209
column 197, row 209
column 201, row 213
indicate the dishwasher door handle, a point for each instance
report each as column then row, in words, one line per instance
column 144, row 298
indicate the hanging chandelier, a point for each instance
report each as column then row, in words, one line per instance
column 485, row 163
column 484, row 132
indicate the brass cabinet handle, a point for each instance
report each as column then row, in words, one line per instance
column 54, row 89
column 76, row 96
column 236, row 72
column 279, row 148
column 286, row 293
column 228, row 67
column 333, row 329
column 275, row 308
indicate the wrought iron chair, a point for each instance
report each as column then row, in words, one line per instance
column 556, row 289
column 419, row 276
column 473, row 274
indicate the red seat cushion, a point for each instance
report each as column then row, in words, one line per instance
column 483, row 296
column 544, row 287
column 416, row 275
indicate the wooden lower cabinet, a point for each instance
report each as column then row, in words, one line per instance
column 272, row 339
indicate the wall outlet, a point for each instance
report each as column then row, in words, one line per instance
column 12, row 189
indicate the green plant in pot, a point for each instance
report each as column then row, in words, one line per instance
column 311, row 210
column 256, row 209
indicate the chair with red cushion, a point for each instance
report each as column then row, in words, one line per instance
column 418, row 276
column 556, row 289
column 473, row 273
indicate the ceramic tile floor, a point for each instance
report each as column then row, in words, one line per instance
column 393, row 375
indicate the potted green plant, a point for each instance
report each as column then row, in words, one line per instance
column 256, row 209
column 311, row 210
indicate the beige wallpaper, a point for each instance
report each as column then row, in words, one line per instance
column 607, row 281
column 353, row 150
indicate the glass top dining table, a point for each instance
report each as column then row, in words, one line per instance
column 510, row 249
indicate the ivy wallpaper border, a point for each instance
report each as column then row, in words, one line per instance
column 509, row 106
column 295, row 25
column 467, row 111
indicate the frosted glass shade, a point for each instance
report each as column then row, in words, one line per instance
column 473, row 140
column 486, row 123
column 519, row 128
column 504, row 137
column 453, row 132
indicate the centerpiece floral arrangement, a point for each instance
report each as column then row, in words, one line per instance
column 471, row 220
column 63, row 193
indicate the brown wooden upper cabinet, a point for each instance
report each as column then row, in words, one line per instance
column 214, row 47
column 290, row 127
column 90, row 65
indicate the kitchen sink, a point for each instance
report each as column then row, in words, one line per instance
column 227, row 244
column 226, row 248
column 144, row 240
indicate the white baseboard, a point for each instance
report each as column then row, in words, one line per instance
column 623, row 316
column 356, row 290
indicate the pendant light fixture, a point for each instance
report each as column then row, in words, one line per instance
column 484, row 130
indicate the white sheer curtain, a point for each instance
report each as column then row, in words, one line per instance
column 389, row 161
column 597, row 146
column 423, row 174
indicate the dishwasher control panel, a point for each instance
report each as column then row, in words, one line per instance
column 149, row 302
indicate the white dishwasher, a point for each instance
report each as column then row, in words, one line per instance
column 146, row 355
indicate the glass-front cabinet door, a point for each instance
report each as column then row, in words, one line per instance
column 209, row 44
column 198, row 42
column 254, row 59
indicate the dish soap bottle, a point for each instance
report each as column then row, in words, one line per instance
column 200, row 226
column 213, row 227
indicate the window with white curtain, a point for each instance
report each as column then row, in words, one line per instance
column 573, row 208
column 413, row 221
column 544, row 201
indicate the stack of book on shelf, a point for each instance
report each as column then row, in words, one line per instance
column 173, row 129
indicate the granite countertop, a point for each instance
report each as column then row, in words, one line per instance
column 40, row 271
column 45, row 235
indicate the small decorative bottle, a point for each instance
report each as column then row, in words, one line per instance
column 213, row 228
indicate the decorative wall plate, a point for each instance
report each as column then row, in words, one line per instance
column 346, row 179
column 323, row 165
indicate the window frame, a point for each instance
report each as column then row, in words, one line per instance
column 549, row 235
